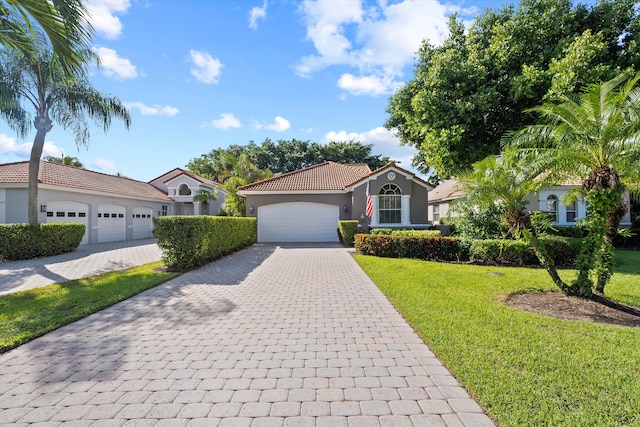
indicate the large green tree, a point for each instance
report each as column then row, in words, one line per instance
column 466, row 93
column 286, row 156
column 593, row 137
column 35, row 81
column 64, row 22
column 238, row 171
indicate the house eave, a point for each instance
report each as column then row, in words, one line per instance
column 279, row 192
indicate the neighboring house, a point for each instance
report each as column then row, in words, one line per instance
column 551, row 200
column 182, row 186
column 112, row 208
column 306, row 205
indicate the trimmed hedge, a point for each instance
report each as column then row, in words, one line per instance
column 192, row 241
column 519, row 253
column 425, row 248
column 26, row 241
column 406, row 233
column 347, row 229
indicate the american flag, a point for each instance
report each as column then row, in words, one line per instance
column 369, row 210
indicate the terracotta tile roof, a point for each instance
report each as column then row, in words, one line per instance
column 82, row 179
column 173, row 173
column 447, row 190
column 328, row 176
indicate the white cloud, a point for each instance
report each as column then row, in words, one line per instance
column 257, row 13
column 206, row 68
column 225, row 122
column 380, row 41
column 102, row 15
column 153, row 110
column 384, row 143
column 114, row 66
column 104, row 165
column 9, row 145
column 280, row 124
column 366, row 85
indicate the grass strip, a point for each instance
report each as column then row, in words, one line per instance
column 523, row 368
column 29, row 314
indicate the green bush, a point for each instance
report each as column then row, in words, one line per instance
column 426, row 248
column 348, row 229
column 406, row 233
column 26, row 241
column 192, row 241
column 519, row 253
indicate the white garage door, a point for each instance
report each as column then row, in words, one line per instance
column 111, row 223
column 298, row 222
column 142, row 223
column 70, row 212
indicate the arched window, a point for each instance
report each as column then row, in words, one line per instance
column 184, row 190
column 389, row 204
column 552, row 207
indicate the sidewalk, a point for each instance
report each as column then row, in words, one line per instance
column 87, row 260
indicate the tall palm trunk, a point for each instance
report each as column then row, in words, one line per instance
column 43, row 125
column 520, row 222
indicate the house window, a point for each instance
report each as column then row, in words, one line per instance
column 164, row 211
column 571, row 212
column 389, row 204
column 436, row 212
column 184, row 190
column 552, row 208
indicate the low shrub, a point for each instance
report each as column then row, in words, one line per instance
column 347, row 229
column 519, row 253
column 425, row 248
column 412, row 233
column 192, row 241
column 26, row 241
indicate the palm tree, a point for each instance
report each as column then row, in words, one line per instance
column 74, row 162
column 505, row 181
column 238, row 171
column 36, row 81
column 595, row 137
column 63, row 21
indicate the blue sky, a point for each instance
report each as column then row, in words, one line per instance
column 204, row 74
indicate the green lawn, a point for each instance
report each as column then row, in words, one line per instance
column 523, row 368
column 29, row 314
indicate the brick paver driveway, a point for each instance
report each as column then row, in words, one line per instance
column 270, row 336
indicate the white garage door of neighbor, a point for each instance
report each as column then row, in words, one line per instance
column 142, row 223
column 298, row 222
column 70, row 212
column 111, row 223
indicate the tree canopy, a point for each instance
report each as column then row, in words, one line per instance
column 466, row 93
column 284, row 156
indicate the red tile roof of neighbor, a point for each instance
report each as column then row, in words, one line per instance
column 82, row 179
column 447, row 190
column 180, row 171
column 328, row 176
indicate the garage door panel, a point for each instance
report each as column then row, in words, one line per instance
column 298, row 222
column 111, row 223
column 142, row 223
column 65, row 211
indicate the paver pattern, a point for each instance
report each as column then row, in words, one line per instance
column 270, row 336
column 87, row 260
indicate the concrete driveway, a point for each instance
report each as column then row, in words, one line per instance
column 274, row 335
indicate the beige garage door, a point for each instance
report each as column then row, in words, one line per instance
column 298, row 222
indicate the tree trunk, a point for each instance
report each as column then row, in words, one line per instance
column 43, row 125
column 605, row 255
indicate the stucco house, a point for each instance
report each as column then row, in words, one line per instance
column 112, row 208
column 306, row 205
column 552, row 200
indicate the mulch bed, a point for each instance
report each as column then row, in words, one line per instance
column 558, row 305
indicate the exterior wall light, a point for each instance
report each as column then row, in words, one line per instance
column 251, row 209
